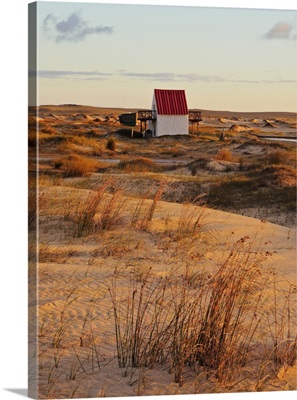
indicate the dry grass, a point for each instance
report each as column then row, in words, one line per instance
column 144, row 212
column 184, row 318
column 82, row 214
column 225, row 154
column 79, row 144
column 174, row 151
column 256, row 187
column 140, row 164
column 49, row 129
column 79, row 166
column 280, row 157
column 218, row 325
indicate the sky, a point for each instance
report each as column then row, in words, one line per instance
column 114, row 55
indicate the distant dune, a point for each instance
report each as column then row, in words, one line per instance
column 257, row 114
column 56, row 109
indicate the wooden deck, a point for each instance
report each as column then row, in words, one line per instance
column 146, row 115
column 150, row 115
column 195, row 116
column 143, row 117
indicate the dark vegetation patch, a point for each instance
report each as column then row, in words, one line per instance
column 140, row 164
column 259, row 187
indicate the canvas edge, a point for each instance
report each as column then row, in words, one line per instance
column 32, row 209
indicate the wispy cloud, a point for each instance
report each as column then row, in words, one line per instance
column 150, row 76
column 281, row 30
column 55, row 74
column 169, row 77
column 72, row 29
column 155, row 76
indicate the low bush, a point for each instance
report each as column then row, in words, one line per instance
column 277, row 157
column 76, row 166
column 111, row 144
column 140, row 164
column 225, row 155
column 50, row 130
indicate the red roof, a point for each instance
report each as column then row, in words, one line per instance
column 171, row 102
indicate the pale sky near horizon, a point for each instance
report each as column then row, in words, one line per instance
column 113, row 55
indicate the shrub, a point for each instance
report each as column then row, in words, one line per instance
column 174, row 151
column 111, row 144
column 277, row 157
column 78, row 166
column 224, row 155
column 49, row 129
column 140, row 164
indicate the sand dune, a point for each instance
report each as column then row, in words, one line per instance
column 75, row 308
column 127, row 253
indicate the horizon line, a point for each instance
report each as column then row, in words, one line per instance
column 147, row 108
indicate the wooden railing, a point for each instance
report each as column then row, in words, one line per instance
column 146, row 115
column 194, row 116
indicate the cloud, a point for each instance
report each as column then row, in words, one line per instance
column 72, row 29
column 281, row 30
column 169, row 77
column 155, row 76
column 191, row 77
column 48, row 21
column 56, row 74
column 149, row 76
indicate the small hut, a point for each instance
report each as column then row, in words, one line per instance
column 169, row 114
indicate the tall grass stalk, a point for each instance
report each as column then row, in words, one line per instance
column 214, row 324
column 280, row 324
column 143, row 213
column 82, row 215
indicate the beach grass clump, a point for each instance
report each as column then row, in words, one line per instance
column 216, row 325
column 174, row 151
column 257, row 187
column 79, row 144
column 144, row 210
column 277, row 176
column 231, row 192
column 225, row 154
column 78, row 166
column 49, row 129
column 277, row 157
column 109, row 212
column 188, row 224
column 140, row 164
column 82, row 140
column 97, row 211
column 82, row 214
